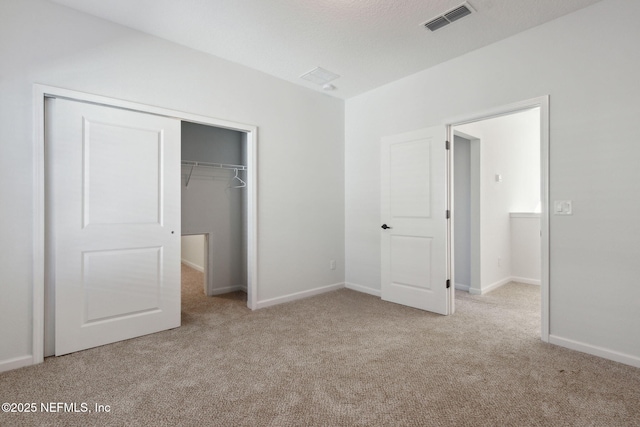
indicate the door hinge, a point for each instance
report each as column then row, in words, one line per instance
column 448, row 283
column 448, row 213
column 447, row 145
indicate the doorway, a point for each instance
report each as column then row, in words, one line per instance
column 194, row 254
column 499, row 232
column 497, row 202
column 42, row 257
column 213, row 206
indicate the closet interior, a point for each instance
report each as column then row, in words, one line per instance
column 214, row 214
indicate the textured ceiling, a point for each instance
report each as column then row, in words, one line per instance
column 367, row 42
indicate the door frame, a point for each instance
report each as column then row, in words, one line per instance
column 543, row 104
column 40, row 93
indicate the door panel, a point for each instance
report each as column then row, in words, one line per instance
column 108, row 276
column 114, row 211
column 410, row 179
column 112, row 178
column 411, row 261
column 413, row 206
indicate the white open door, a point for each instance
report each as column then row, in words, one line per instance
column 414, row 221
column 114, row 206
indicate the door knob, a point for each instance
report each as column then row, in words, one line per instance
column 385, row 226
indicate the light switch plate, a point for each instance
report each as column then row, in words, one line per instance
column 562, row 207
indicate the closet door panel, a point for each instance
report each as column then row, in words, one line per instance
column 115, row 218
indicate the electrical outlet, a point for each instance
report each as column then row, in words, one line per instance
column 499, row 261
column 332, row 264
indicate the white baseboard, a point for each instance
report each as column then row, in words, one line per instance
column 363, row 289
column 605, row 353
column 15, row 363
column 192, row 265
column 228, row 289
column 461, row 287
column 298, row 295
column 496, row 285
column 526, row 281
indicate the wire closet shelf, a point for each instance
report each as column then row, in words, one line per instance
column 193, row 165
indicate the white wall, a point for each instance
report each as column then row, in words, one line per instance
column 587, row 62
column 211, row 144
column 525, row 247
column 192, row 251
column 509, row 147
column 300, row 144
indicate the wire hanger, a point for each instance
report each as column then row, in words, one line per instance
column 242, row 183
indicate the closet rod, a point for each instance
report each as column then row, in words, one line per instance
column 213, row 165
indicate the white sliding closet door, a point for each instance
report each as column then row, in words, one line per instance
column 114, row 206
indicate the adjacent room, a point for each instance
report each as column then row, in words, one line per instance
column 497, row 193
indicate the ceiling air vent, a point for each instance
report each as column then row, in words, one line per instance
column 437, row 23
column 319, row 76
column 457, row 13
column 448, row 17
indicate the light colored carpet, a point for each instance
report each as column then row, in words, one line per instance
column 337, row 359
